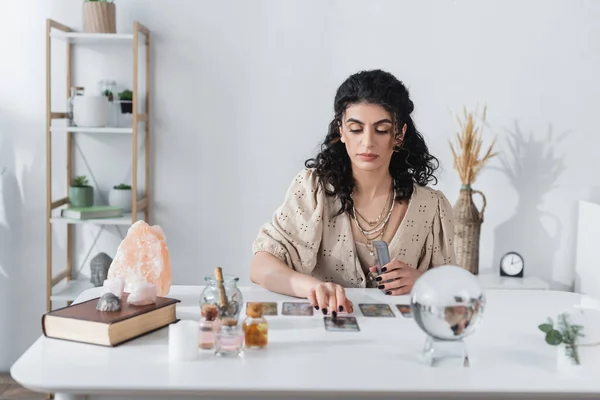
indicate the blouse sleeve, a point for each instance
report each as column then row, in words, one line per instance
column 443, row 233
column 294, row 233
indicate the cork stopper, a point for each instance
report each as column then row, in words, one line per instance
column 228, row 321
column 210, row 312
column 254, row 310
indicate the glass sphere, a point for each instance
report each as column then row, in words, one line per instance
column 447, row 302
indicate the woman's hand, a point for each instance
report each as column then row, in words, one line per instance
column 329, row 297
column 397, row 278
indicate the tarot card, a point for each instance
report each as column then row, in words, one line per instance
column 296, row 308
column 376, row 310
column 404, row 310
column 268, row 308
column 341, row 324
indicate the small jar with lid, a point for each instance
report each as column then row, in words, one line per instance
column 208, row 326
column 229, row 339
column 255, row 327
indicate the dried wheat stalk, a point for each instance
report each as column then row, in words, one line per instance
column 466, row 156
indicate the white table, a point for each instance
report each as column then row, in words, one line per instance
column 508, row 355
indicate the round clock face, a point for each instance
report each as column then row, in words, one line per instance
column 512, row 263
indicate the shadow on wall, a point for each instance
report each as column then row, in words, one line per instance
column 10, row 207
column 533, row 168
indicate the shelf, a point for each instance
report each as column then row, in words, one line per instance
column 124, row 220
column 68, row 291
column 76, row 129
column 92, row 38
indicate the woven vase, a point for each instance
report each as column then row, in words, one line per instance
column 467, row 229
column 99, row 17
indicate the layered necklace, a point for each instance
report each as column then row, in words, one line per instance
column 376, row 228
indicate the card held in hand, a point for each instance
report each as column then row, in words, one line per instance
column 297, row 308
column 376, row 310
column 341, row 324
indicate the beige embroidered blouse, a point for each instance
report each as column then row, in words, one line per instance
column 306, row 236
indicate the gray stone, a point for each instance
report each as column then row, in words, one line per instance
column 108, row 302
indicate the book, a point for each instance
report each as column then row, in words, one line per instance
column 81, row 322
column 92, row 212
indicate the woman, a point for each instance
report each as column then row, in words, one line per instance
column 367, row 183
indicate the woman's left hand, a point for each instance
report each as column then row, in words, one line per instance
column 397, row 278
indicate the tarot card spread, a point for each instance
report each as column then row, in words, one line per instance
column 269, row 308
column 297, row 308
column 376, row 310
column 341, row 324
column 404, row 310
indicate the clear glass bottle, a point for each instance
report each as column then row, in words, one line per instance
column 235, row 300
column 208, row 326
column 255, row 327
column 229, row 340
column 108, row 88
column 75, row 91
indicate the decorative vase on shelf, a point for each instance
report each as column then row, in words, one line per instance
column 80, row 193
column 99, row 17
column 121, row 196
column 467, row 229
column 235, row 300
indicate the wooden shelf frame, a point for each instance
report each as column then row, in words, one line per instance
column 70, row 38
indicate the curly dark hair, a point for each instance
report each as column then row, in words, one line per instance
column 411, row 164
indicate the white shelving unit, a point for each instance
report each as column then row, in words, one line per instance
column 62, row 287
column 91, row 38
column 125, row 220
column 75, row 129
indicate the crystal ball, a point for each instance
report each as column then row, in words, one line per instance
column 447, row 302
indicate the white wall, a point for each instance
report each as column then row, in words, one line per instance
column 243, row 93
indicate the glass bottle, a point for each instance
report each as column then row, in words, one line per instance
column 108, row 88
column 207, row 326
column 75, row 91
column 255, row 327
column 210, row 295
column 229, row 340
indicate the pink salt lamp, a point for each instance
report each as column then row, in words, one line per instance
column 143, row 257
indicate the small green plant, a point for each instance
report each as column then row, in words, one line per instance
column 122, row 186
column 80, row 181
column 108, row 94
column 565, row 333
column 126, row 95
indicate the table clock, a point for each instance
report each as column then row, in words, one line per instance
column 512, row 265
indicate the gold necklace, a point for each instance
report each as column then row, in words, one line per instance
column 385, row 206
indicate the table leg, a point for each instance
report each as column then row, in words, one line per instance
column 69, row 396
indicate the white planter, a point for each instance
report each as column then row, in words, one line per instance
column 90, row 111
column 120, row 198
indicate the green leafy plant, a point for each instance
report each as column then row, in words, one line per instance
column 122, row 186
column 80, row 181
column 126, row 95
column 564, row 333
column 108, row 94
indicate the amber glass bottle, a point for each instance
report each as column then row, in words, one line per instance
column 255, row 327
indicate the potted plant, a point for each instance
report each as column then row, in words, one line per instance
column 126, row 98
column 121, row 196
column 99, row 16
column 80, row 193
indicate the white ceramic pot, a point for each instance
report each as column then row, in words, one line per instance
column 120, row 198
column 90, row 111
